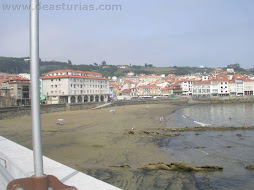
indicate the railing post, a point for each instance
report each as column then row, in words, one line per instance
column 35, row 96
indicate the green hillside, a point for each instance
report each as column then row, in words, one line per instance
column 22, row 65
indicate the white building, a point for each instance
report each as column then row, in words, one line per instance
column 187, row 85
column 222, row 86
column 69, row 86
column 201, row 89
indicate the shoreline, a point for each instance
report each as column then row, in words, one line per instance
column 93, row 140
column 97, row 142
column 13, row 112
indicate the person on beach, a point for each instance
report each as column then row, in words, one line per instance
column 160, row 119
column 245, row 127
column 133, row 128
column 147, row 107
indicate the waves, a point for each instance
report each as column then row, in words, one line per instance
column 197, row 122
column 202, row 124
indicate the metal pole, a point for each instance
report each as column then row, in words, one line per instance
column 35, row 96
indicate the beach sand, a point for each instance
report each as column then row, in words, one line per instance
column 93, row 140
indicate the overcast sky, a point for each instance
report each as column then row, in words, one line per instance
column 160, row 32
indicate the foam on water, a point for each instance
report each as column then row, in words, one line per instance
column 202, row 124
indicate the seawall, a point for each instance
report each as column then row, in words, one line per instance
column 12, row 112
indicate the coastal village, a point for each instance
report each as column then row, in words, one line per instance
column 72, row 86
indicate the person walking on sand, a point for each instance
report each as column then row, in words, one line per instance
column 133, row 128
column 160, row 119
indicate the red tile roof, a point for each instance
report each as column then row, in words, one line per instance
column 72, row 76
column 148, row 86
column 163, row 89
column 74, row 71
column 202, row 82
column 126, row 90
column 220, row 79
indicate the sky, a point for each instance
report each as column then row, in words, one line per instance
column 212, row 33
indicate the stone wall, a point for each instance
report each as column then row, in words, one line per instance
column 223, row 100
column 12, row 112
column 149, row 101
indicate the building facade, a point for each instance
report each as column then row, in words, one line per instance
column 16, row 91
column 69, row 86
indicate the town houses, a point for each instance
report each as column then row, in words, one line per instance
column 73, row 86
column 216, row 84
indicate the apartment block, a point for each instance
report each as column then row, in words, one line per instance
column 69, row 86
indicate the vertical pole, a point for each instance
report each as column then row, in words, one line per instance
column 35, row 96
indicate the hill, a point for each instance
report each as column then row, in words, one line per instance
column 22, row 65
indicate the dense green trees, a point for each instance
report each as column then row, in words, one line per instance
column 22, row 65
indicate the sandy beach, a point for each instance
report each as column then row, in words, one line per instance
column 92, row 141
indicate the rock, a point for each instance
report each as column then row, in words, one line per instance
column 196, row 133
column 131, row 132
column 179, row 166
column 228, row 146
column 212, row 167
column 121, row 166
column 239, row 135
column 250, row 167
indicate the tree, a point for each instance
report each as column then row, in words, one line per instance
column 103, row 63
column 236, row 67
column 69, row 62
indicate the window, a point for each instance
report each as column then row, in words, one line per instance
column 59, row 79
column 56, row 86
column 52, row 86
column 52, row 92
column 51, row 79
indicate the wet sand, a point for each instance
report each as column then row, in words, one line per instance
column 93, row 140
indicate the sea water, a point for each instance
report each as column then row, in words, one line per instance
column 220, row 148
